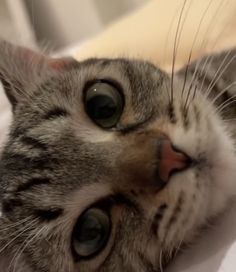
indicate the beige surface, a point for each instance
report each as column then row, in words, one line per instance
column 149, row 33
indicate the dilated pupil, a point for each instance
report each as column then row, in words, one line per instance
column 90, row 230
column 101, row 107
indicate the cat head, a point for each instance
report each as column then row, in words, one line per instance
column 110, row 165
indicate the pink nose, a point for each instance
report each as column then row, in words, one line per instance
column 171, row 161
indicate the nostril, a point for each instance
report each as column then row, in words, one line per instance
column 171, row 160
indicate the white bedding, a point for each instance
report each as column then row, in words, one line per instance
column 215, row 251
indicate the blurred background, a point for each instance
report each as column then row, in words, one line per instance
column 59, row 24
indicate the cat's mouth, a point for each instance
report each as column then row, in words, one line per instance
column 172, row 161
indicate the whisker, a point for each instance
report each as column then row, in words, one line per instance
column 20, row 232
column 212, row 25
column 197, row 74
column 208, row 60
column 226, row 103
column 167, row 39
column 193, row 44
column 193, row 97
column 175, row 50
column 16, row 224
column 13, row 233
column 183, row 24
column 223, row 91
column 220, row 71
column 179, row 246
column 160, row 261
column 24, row 245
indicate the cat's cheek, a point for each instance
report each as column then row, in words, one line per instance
column 3, row 264
column 6, row 264
column 224, row 176
column 221, row 157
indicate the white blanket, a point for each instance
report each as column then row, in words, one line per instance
column 215, row 251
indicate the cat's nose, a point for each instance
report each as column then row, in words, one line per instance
column 171, row 160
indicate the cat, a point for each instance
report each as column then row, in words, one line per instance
column 112, row 164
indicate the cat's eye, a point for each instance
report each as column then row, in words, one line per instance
column 104, row 104
column 91, row 233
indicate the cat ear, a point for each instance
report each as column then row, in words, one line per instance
column 21, row 69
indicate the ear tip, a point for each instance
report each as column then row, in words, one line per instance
column 19, row 69
column 28, row 55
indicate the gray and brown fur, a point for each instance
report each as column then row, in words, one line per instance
column 57, row 162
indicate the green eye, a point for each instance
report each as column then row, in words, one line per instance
column 104, row 104
column 91, row 233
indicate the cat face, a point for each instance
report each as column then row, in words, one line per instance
column 105, row 168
